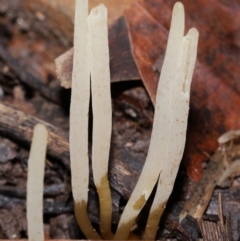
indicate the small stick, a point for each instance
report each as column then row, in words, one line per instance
column 220, row 211
column 224, row 163
column 35, row 181
column 195, row 206
column 19, row 126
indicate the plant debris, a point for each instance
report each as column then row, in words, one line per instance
column 34, row 33
column 220, row 231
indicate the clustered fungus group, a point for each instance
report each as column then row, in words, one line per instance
column 91, row 77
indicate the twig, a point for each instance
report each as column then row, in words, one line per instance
column 19, row 126
column 224, row 163
column 220, row 211
column 197, row 203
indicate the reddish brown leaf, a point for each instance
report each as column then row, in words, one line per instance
column 215, row 98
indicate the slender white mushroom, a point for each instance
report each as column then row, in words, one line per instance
column 161, row 128
column 35, row 183
column 79, row 120
column 178, row 130
column 102, row 112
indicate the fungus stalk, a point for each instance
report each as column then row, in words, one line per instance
column 160, row 139
column 102, row 113
column 179, row 114
column 35, row 182
column 79, row 120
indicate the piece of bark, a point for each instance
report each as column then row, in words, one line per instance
column 212, row 231
column 231, row 205
column 19, row 126
column 191, row 226
column 122, row 65
column 215, row 88
column 181, row 233
column 217, row 231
